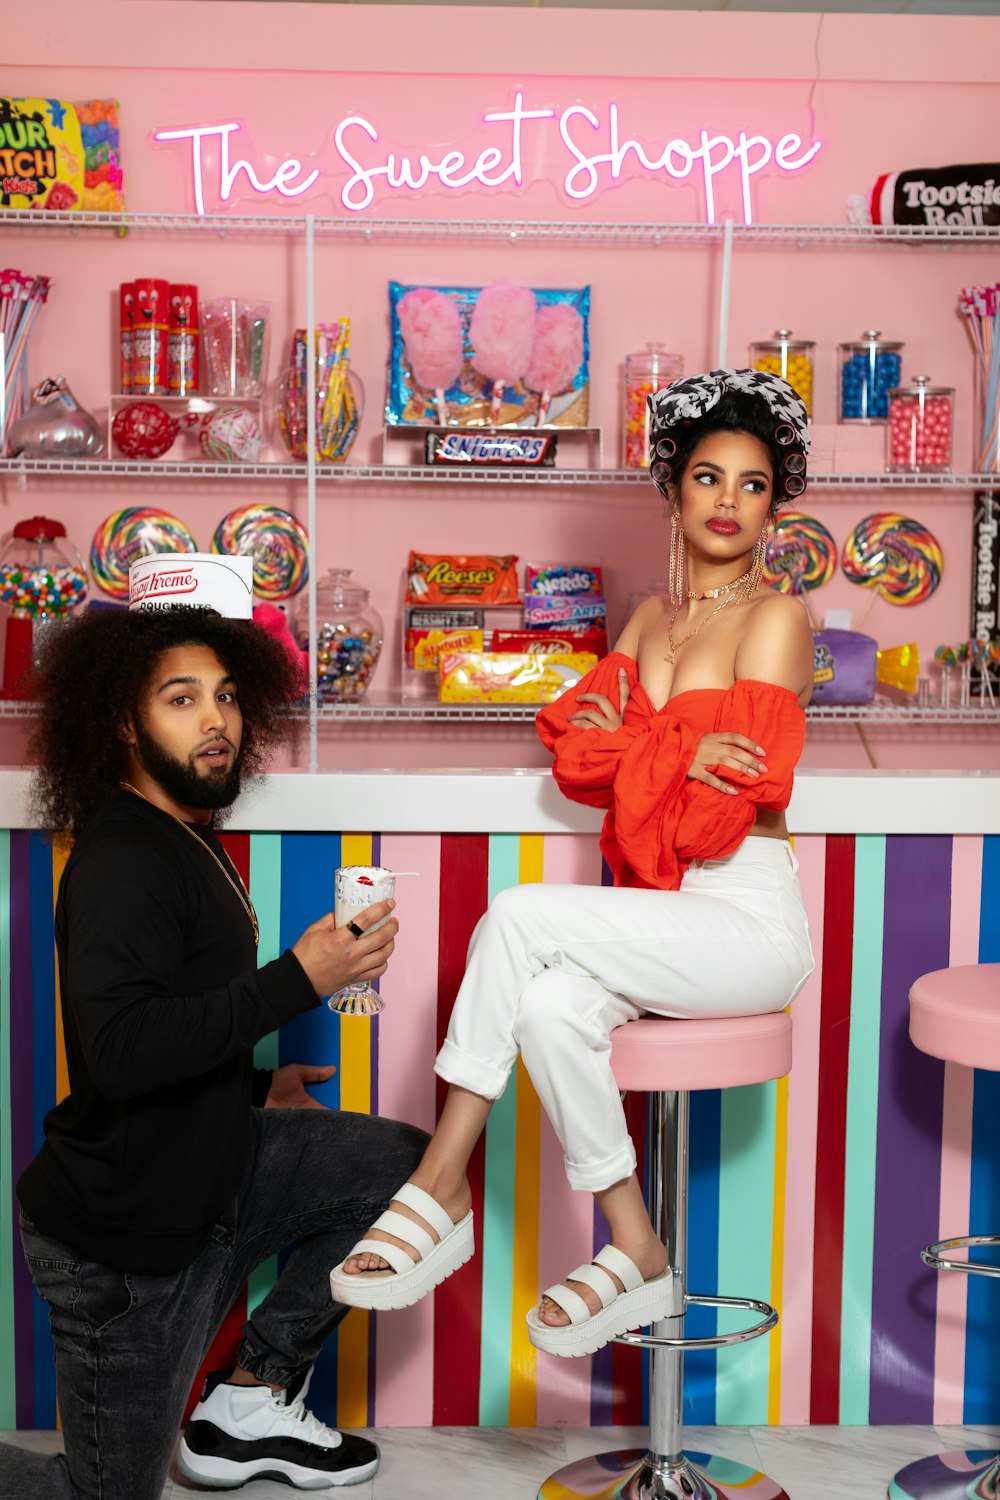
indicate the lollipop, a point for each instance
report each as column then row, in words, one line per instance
column 432, row 334
column 278, row 544
column 556, row 354
column 126, row 535
column 894, row 555
column 501, row 332
column 801, row 555
column 231, row 435
column 144, row 430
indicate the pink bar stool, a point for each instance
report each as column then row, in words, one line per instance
column 667, row 1059
column 955, row 1015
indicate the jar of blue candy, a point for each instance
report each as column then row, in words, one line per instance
column 869, row 370
column 349, row 637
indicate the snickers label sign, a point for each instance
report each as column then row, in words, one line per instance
column 499, row 449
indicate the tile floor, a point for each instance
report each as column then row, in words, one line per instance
column 813, row 1463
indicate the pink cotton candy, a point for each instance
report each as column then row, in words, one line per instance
column 501, row 331
column 432, row 333
column 557, row 352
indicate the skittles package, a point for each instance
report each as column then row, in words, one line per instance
column 56, row 155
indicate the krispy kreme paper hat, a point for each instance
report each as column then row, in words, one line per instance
column 192, row 580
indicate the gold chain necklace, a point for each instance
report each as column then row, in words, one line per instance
column 724, row 588
column 240, row 889
column 675, row 646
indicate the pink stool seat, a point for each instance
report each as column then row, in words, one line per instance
column 955, row 1014
column 658, row 1054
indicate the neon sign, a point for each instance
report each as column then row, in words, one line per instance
column 596, row 157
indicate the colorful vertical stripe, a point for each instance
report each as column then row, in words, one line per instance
column 816, row 1193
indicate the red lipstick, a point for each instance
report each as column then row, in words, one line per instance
column 723, row 527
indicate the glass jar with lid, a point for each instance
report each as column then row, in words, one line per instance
column 869, row 370
column 791, row 358
column 42, row 579
column 921, row 423
column 349, row 636
column 647, row 371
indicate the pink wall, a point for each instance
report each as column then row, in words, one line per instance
column 879, row 92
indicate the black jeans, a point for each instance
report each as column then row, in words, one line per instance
column 128, row 1345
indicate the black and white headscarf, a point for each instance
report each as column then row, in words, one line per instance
column 690, row 399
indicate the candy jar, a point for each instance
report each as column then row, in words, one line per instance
column 648, row 371
column 790, row 358
column 869, row 370
column 348, row 638
column 42, row 578
column 337, row 421
column 920, row 427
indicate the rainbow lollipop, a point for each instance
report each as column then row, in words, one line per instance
column 127, row 535
column 895, row 555
column 801, row 555
column 277, row 542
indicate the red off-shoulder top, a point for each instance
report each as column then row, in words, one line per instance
column 658, row 820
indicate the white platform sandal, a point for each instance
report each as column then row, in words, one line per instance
column 640, row 1303
column 409, row 1280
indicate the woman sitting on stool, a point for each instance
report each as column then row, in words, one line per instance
column 688, row 733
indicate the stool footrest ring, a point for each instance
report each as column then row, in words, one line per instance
column 768, row 1320
column 932, row 1255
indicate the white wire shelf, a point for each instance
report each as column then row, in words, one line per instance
column 511, row 230
column 22, row 469
column 389, row 709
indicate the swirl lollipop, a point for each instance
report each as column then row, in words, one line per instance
column 277, row 542
column 801, row 555
column 127, row 535
column 894, row 555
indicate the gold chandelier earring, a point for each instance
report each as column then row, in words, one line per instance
column 757, row 562
column 678, row 557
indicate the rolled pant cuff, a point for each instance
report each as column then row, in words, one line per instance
column 458, row 1067
column 259, row 1365
column 594, row 1177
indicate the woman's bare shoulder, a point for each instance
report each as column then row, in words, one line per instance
column 776, row 644
column 642, row 620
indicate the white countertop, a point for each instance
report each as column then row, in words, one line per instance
column 528, row 801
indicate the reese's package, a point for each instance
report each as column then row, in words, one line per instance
column 436, row 579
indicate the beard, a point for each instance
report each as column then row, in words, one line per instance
column 180, row 779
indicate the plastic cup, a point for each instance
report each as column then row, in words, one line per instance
column 356, row 887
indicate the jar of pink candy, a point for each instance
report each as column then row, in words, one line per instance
column 921, row 420
column 645, row 373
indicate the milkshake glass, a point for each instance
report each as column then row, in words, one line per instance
column 356, row 888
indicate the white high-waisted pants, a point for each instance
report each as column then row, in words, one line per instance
column 553, row 969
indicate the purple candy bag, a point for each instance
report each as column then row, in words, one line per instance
column 843, row 667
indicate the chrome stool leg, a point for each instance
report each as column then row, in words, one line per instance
column 972, row 1474
column 664, row 1471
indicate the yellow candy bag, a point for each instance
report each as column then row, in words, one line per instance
column 509, row 677
column 57, row 155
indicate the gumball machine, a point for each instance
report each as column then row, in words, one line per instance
column 42, row 579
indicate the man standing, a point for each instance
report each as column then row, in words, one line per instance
column 162, row 1183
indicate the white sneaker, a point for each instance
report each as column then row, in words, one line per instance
column 242, row 1432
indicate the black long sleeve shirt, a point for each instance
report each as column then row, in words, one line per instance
column 162, row 1003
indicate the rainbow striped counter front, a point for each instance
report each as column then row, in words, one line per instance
column 814, row 1193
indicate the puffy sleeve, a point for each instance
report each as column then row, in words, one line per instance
column 637, row 772
column 712, row 823
column 587, row 760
